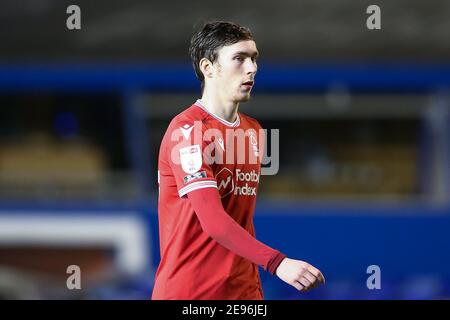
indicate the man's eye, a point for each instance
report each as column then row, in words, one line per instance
column 238, row 58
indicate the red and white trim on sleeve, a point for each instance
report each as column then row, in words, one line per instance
column 197, row 185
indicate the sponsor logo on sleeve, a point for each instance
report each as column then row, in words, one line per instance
column 197, row 175
column 191, row 159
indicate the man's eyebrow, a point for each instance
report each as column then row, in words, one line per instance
column 248, row 54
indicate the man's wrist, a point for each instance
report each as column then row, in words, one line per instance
column 275, row 261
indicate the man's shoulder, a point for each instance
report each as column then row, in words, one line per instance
column 188, row 116
column 252, row 122
column 181, row 125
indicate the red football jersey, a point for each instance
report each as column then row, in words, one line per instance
column 200, row 150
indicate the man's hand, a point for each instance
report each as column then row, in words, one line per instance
column 299, row 274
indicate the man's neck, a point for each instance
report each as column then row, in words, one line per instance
column 226, row 110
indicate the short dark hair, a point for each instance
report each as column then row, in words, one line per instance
column 210, row 38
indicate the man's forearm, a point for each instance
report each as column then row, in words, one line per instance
column 227, row 232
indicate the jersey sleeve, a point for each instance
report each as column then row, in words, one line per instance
column 220, row 226
column 187, row 153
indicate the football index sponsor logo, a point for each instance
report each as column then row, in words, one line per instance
column 225, row 183
column 237, row 183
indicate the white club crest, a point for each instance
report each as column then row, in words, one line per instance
column 254, row 143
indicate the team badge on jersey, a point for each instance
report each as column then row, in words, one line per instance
column 191, row 158
column 254, row 143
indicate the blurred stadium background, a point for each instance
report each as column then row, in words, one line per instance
column 364, row 119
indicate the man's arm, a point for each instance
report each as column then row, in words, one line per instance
column 227, row 232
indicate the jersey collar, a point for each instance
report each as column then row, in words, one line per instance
column 236, row 123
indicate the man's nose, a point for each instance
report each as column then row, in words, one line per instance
column 251, row 66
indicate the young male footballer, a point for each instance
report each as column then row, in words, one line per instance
column 208, row 172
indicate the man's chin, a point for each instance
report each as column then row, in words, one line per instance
column 243, row 98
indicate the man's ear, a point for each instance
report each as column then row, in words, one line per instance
column 206, row 67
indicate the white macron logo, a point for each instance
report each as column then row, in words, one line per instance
column 220, row 141
column 186, row 131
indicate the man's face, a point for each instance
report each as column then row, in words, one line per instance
column 235, row 70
